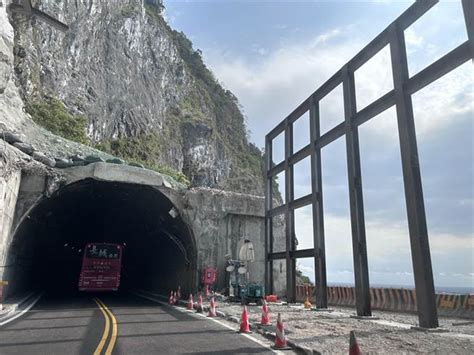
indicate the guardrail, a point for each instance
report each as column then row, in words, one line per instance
column 394, row 299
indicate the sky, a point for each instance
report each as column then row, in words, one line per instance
column 272, row 55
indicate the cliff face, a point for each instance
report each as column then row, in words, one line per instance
column 143, row 90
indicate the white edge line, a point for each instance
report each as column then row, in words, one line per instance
column 23, row 311
column 259, row 342
column 14, row 308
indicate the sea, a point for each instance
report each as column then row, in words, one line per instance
column 438, row 289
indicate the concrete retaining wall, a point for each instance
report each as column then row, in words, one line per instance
column 395, row 299
column 9, row 187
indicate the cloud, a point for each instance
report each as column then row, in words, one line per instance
column 270, row 89
column 389, row 253
column 327, row 36
column 306, row 269
column 412, row 39
column 445, row 102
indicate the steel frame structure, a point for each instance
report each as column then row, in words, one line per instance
column 400, row 97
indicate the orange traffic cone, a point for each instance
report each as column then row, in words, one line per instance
column 280, row 339
column 199, row 305
column 265, row 314
column 170, row 300
column 244, row 322
column 353, row 346
column 307, row 303
column 190, row 304
column 212, row 308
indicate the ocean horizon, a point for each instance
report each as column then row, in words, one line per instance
column 438, row 289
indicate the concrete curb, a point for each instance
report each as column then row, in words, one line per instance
column 255, row 327
column 28, row 301
column 5, row 315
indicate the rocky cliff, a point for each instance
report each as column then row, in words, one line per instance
column 123, row 81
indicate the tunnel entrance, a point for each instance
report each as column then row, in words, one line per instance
column 159, row 253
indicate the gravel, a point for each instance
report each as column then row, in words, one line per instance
column 328, row 332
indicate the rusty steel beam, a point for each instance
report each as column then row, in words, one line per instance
column 468, row 9
column 304, row 253
column 301, row 202
column 268, row 219
column 442, row 66
column 331, row 135
column 319, row 250
column 275, row 170
column 356, row 201
column 289, row 217
column 418, row 230
column 300, row 154
column 375, row 108
column 277, row 211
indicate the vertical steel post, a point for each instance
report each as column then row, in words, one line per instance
column 289, row 217
column 268, row 219
column 418, row 230
column 468, row 8
column 317, row 205
column 359, row 247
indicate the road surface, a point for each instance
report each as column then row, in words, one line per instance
column 117, row 324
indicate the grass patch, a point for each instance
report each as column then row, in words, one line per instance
column 143, row 149
column 51, row 114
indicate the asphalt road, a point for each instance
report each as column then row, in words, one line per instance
column 117, row 324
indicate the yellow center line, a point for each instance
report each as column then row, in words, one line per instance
column 106, row 330
column 113, row 338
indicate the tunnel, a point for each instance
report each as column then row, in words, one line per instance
column 159, row 251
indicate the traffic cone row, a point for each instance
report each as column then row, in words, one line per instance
column 175, row 296
column 280, row 339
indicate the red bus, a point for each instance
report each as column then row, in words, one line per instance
column 101, row 266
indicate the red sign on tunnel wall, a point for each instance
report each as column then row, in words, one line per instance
column 208, row 276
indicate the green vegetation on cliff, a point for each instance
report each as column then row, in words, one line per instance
column 176, row 117
column 216, row 107
column 143, row 149
column 51, row 114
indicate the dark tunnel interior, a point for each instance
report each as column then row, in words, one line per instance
column 159, row 251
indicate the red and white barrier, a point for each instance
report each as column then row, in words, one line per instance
column 395, row 299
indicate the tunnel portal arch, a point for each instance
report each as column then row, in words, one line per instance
column 160, row 252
